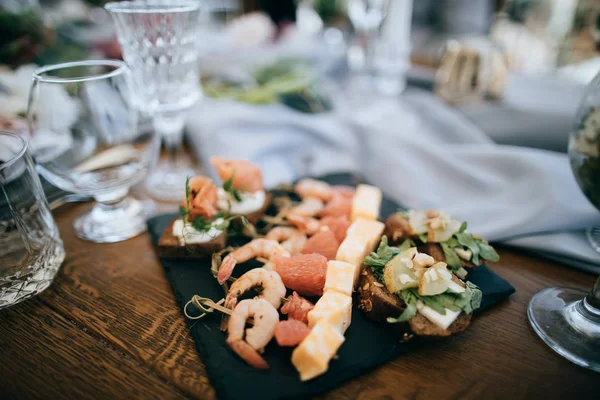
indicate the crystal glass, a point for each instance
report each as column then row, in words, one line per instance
column 158, row 39
column 366, row 17
column 30, row 248
column 83, row 123
column 567, row 319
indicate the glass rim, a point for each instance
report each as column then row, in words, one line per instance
column 142, row 7
column 17, row 155
column 38, row 73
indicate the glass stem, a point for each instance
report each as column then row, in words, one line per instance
column 170, row 127
column 590, row 305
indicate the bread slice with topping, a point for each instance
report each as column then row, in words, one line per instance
column 169, row 245
column 378, row 304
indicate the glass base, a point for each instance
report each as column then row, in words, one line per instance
column 560, row 318
column 593, row 236
column 34, row 277
column 168, row 184
column 112, row 223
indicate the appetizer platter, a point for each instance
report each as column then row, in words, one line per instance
column 303, row 279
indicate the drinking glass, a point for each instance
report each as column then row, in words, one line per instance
column 568, row 320
column 366, row 17
column 158, row 39
column 30, row 248
column 83, row 123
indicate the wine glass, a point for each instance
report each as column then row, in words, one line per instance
column 158, row 39
column 366, row 17
column 568, row 320
column 83, row 123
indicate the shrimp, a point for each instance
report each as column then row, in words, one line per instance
column 309, row 207
column 249, row 343
column 270, row 284
column 247, row 177
column 202, row 198
column 308, row 225
column 256, row 248
column 292, row 239
column 313, row 188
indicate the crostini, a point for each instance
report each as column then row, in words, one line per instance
column 414, row 294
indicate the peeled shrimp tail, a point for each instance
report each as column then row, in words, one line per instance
column 226, row 269
column 248, row 353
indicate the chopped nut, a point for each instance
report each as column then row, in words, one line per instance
column 366, row 286
column 431, row 213
column 377, row 284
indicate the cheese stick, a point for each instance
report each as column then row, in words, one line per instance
column 333, row 307
column 366, row 203
column 311, row 357
column 361, row 239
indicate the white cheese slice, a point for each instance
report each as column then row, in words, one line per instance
column 333, row 307
column 340, row 277
column 366, row 202
column 250, row 202
column 442, row 321
column 311, row 357
column 188, row 235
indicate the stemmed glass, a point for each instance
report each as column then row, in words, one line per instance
column 158, row 39
column 568, row 320
column 83, row 123
column 366, row 17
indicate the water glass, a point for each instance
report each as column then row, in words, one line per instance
column 30, row 248
column 158, row 39
column 83, row 122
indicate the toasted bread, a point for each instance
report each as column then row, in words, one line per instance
column 169, row 246
column 378, row 304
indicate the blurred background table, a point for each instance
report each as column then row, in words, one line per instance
column 109, row 327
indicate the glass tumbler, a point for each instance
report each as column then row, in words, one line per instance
column 30, row 248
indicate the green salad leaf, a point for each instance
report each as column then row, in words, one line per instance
column 411, row 307
column 385, row 253
column 452, row 258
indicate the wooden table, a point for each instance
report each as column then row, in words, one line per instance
column 109, row 327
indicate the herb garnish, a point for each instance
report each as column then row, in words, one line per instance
column 228, row 187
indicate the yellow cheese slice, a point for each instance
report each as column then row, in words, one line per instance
column 311, row 357
column 366, row 231
column 333, row 307
column 361, row 239
column 340, row 277
column 366, row 202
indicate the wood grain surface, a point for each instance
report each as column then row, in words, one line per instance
column 109, row 327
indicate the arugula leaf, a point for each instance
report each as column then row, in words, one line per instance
column 236, row 195
column 487, row 252
column 452, row 258
column 452, row 242
column 407, row 244
column 410, row 299
column 467, row 240
column 423, row 237
column 188, row 192
column 378, row 260
column 463, row 227
column 470, row 299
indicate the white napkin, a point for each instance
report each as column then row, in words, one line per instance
column 421, row 154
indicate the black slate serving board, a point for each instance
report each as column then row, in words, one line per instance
column 367, row 344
